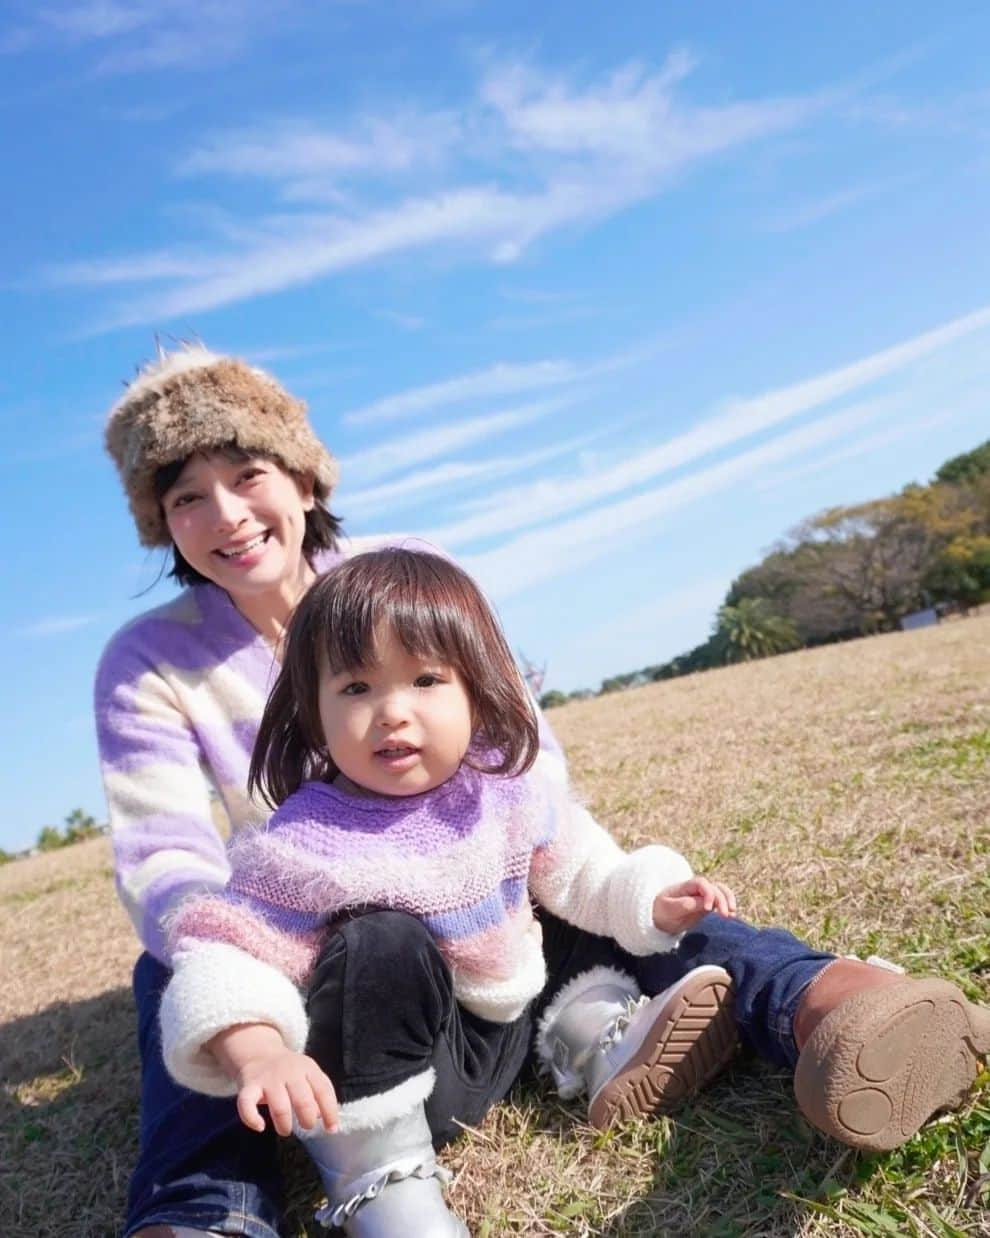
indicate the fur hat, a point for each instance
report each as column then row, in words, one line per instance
column 194, row 400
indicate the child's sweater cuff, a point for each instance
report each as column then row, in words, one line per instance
column 216, row 986
column 637, row 881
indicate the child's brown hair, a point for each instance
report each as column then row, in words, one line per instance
column 434, row 609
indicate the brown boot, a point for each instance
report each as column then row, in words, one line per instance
column 880, row 1053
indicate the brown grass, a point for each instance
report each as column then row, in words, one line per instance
column 844, row 792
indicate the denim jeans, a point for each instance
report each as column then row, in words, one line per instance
column 199, row 1166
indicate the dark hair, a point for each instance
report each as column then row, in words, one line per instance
column 434, row 609
column 322, row 528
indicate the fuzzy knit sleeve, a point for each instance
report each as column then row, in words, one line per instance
column 236, row 959
column 580, row 873
column 165, row 842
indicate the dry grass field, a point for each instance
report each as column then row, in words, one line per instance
column 844, row 792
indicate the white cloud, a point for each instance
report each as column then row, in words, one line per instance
column 591, row 151
column 412, row 489
column 738, row 419
column 302, row 153
column 533, row 557
column 57, row 625
column 501, row 379
column 401, row 453
column 138, row 35
column 811, row 212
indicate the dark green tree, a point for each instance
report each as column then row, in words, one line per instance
column 751, row 630
column 966, row 467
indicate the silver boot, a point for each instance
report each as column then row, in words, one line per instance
column 383, row 1182
column 634, row 1055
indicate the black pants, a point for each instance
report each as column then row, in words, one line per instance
column 382, row 1009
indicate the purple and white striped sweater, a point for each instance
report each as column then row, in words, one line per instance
column 179, row 696
column 464, row 858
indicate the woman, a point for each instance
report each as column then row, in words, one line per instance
column 221, row 465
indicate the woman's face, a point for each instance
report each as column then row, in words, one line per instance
column 239, row 522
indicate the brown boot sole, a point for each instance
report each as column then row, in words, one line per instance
column 884, row 1060
column 692, row 1039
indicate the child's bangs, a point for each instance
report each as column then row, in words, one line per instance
column 419, row 617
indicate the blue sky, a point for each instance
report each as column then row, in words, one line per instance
column 604, row 299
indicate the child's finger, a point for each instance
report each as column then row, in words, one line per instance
column 247, row 1107
column 326, row 1099
column 303, row 1103
column 279, row 1108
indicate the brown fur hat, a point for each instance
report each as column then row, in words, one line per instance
column 194, row 400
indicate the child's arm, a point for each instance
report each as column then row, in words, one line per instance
column 267, row 1072
column 581, row 874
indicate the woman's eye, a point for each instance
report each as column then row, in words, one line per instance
column 182, row 500
column 427, row 681
column 251, row 473
column 354, row 689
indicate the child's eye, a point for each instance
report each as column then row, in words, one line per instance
column 355, row 688
column 427, row 681
column 251, row 472
column 182, row 500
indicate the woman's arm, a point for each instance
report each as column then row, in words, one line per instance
column 165, row 842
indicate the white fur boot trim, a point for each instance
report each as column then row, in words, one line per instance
column 547, row 1045
column 375, row 1112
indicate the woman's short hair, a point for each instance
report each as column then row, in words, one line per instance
column 435, row 610
column 322, row 528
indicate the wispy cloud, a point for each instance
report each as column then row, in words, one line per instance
column 501, row 379
column 137, row 35
column 408, row 322
column 457, row 473
column 520, row 506
column 402, row 453
column 57, row 625
column 546, row 152
column 812, row 211
column 542, row 554
column 303, row 158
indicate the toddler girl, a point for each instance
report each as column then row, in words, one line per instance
column 428, row 906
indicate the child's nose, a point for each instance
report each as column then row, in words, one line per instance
column 392, row 710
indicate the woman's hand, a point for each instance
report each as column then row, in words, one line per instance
column 680, row 906
column 267, row 1072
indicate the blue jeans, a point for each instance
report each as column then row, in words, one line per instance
column 200, row 1166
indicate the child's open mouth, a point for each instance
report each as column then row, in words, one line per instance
column 397, row 756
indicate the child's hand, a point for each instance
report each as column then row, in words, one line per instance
column 288, row 1083
column 680, row 906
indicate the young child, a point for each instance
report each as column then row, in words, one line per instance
column 376, row 973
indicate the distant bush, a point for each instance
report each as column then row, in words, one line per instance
column 79, row 825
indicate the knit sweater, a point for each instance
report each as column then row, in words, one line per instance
column 180, row 691
column 464, row 858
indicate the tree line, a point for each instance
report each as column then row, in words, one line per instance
column 78, row 826
column 849, row 572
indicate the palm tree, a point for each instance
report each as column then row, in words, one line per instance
column 750, row 630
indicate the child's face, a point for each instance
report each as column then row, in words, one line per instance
column 400, row 726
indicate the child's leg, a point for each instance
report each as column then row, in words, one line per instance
column 383, row 1016
column 407, row 1063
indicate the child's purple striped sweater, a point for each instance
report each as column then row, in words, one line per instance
column 464, row 858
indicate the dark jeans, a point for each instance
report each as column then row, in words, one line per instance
column 381, row 1010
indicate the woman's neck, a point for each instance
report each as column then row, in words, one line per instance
column 268, row 613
